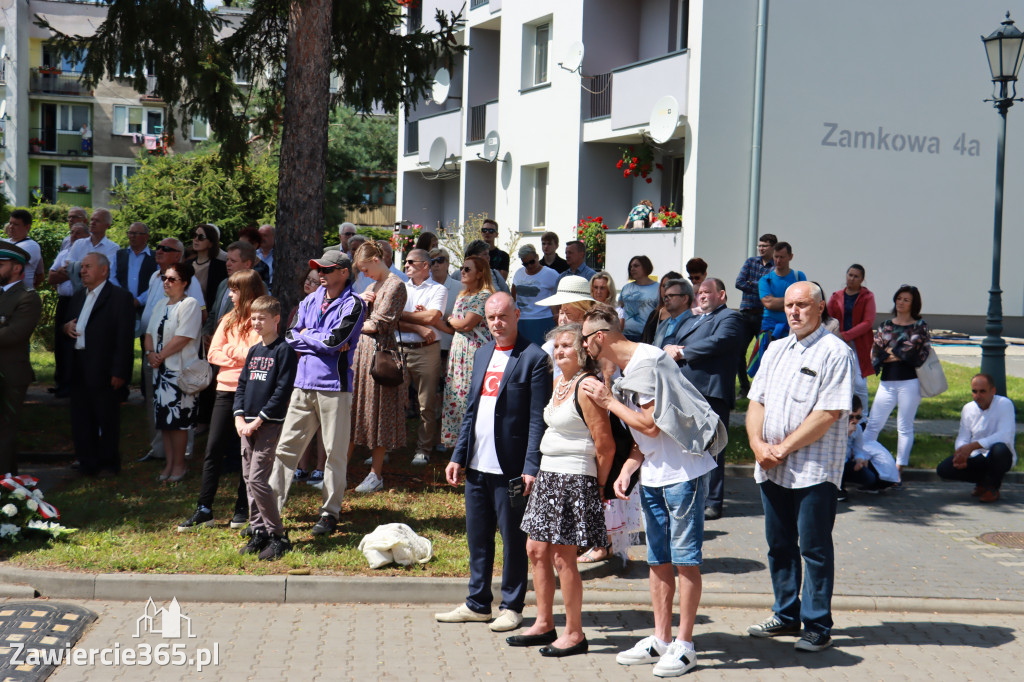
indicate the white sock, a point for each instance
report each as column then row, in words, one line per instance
column 663, row 644
column 688, row 645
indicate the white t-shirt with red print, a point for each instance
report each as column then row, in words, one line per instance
column 485, row 454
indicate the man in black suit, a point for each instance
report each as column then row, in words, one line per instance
column 706, row 349
column 499, row 442
column 20, row 309
column 102, row 325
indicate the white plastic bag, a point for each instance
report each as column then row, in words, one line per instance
column 395, row 542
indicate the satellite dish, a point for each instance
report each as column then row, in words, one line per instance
column 506, row 170
column 442, row 83
column 438, row 154
column 492, row 143
column 3, row 109
column 664, row 119
column 573, row 58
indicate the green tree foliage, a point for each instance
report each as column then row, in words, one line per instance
column 173, row 194
column 357, row 145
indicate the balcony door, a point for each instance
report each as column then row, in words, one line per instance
column 48, row 183
column 48, row 131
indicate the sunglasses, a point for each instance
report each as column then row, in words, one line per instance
column 435, row 261
column 586, row 337
column 165, row 278
column 167, row 249
column 414, row 262
column 488, row 230
column 528, row 263
column 855, row 417
column 199, row 237
column 466, row 268
column 327, row 271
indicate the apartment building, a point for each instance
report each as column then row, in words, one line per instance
column 870, row 141
column 64, row 142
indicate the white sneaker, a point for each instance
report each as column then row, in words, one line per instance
column 420, row 459
column 371, row 484
column 462, row 614
column 507, row 620
column 677, row 660
column 647, row 650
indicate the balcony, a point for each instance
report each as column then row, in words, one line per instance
column 49, row 141
column 597, row 101
column 447, row 125
column 483, row 118
column 73, row 196
column 52, row 81
column 477, row 3
column 639, row 85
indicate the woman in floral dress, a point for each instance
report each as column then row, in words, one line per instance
column 469, row 328
column 378, row 412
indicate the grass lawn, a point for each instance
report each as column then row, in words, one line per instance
column 129, row 523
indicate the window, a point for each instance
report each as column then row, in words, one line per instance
column 119, row 172
column 533, row 197
column 75, row 62
column 70, row 117
column 536, row 43
column 242, row 73
column 678, row 24
column 74, row 176
column 138, row 120
column 200, row 128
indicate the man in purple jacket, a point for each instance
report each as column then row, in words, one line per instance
column 324, row 335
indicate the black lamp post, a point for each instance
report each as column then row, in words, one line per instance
column 1004, row 49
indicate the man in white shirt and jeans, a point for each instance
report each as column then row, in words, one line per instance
column 984, row 446
column 677, row 435
column 425, row 303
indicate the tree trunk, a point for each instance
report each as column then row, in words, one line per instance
column 302, row 174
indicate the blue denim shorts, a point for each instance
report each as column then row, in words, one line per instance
column 675, row 522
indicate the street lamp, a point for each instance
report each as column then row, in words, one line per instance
column 1004, row 50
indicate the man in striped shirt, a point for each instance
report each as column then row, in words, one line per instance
column 796, row 425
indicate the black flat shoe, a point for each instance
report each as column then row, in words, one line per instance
column 532, row 640
column 555, row 652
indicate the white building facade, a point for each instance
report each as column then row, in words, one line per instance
column 876, row 146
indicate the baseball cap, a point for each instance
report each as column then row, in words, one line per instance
column 331, row 259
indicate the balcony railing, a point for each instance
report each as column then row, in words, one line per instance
column 477, row 3
column 599, row 97
column 65, row 194
column 58, row 142
column 54, row 82
column 3, row 71
column 477, row 123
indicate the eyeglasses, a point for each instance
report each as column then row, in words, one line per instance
column 410, row 261
column 165, row 278
column 167, row 249
column 199, row 237
column 327, row 271
column 528, row 263
column 348, row 234
column 138, row 234
column 855, row 417
column 488, row 230
column 466, row 268
column 672, row 295
column 435, row 261
column 586, row 337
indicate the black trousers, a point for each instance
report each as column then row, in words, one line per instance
column 223, row 451
column 716, row 480
column 987, row 471
column 95, row 424
column 63, row 346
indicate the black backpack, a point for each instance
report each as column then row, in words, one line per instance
column 623, row 446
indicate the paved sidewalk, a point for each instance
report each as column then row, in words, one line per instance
column 402, row 642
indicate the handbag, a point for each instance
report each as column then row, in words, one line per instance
column 388, row 366
column 623, row 446
column 931, row 377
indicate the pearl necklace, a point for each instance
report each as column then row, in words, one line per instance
column 563, row 386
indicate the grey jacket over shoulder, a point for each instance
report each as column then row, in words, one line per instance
column 679, row 409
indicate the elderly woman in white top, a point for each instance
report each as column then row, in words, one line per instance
column 171, row 343
column 564, row 511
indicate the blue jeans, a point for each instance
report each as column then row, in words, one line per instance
column 675, row 522
column 798, row 523
column 488, row 508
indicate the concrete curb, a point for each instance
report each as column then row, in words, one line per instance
column 25, row 584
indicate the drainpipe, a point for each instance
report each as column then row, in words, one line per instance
column 755, row 148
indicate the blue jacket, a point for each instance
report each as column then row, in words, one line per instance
column 321, row 360
column 710, row 352
column 523, row 393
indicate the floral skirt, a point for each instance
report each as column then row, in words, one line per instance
column 565, row 509
column 174, row 410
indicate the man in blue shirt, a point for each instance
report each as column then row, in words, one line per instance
column 772, row 289
column 678, row 301
column 575, row 256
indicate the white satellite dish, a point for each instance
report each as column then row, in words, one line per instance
column 573, row 58
column 664, row 119
column 506, row 170
column 3, row 110
column 492, row 143
column 442, row 83
column 438, row 154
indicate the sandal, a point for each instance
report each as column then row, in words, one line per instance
column 589, row 558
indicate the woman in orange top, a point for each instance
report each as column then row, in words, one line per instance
column 228, row 349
